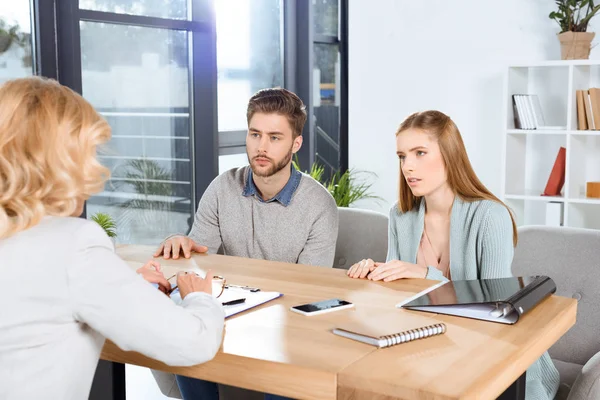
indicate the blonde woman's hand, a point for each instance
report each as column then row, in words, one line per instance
column 175, row 245
column 152, row 273
column 361, row 269
column 397, row 269
column 189, row 282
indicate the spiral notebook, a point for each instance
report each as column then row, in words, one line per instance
column 392, row 331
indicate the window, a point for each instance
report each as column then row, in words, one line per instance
column 147, row 67
column 326, row 17
column 16, row 57
column 249, row 58
column 327, row 90
column 137, row 77
column 175, row 9
column 326, row 73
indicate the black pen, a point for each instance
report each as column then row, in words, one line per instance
column 233, row 302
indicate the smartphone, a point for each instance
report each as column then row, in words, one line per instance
column 321, row 307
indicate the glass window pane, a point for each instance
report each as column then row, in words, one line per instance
column 326, row 75
column 175, row 9
column 16, row 57
column 327, row 72
column 248, row 55
column 230, row 161
column 137, row 78
column 325, row 17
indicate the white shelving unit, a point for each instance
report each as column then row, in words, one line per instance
column 529, row 155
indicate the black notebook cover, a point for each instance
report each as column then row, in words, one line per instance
column 501, row 300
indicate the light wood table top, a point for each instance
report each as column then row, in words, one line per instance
column 273, row 350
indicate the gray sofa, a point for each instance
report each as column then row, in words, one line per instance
column 571, row 257
column 361, row 234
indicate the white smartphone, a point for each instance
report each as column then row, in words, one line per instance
column 321, row 307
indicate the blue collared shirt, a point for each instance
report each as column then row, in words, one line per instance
column 284, row 196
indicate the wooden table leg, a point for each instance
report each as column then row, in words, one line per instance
column 109, row 381
column 516, row 391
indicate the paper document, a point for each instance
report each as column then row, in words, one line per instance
column 253, row 299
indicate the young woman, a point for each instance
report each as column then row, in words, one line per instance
column 65, row 289
column 447, row 224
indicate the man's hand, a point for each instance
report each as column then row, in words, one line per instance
column 175, row 245
column 152, row 273
column 189, row 282
column 397, row 269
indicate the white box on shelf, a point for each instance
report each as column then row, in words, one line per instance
column 554, row 213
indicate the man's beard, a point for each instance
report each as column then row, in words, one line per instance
column 273, row 168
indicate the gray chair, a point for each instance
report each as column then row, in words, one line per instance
column 361, row 234
column 571, row 257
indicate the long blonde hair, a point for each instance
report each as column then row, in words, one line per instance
column 461, row 177
column 48, row 140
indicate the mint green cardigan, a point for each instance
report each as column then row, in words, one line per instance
column 481, row 246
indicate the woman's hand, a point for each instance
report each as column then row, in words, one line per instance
column 152, row 273
column 361, row 269
column 190, row 283
column 396, row 269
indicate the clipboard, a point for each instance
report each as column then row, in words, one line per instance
column 253, row 299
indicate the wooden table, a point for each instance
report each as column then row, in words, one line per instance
column 273, row 350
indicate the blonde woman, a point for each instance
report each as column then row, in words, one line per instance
column 447, row 224
column 64, row 290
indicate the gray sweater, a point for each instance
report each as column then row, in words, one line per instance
column 302, row 230
column 481, row 246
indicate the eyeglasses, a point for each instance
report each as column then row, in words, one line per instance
column 218, row 284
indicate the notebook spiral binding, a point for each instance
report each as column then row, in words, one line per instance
column 414, row 334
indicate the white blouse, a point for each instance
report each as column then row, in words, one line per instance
column 64, row 290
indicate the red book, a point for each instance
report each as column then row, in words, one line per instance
column 557, row 176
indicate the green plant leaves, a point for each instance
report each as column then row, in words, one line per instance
column 348, row 188
column 574, row 15
column 106, row 222
column 345, row 188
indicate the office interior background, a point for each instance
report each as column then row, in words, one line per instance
column 173, row 78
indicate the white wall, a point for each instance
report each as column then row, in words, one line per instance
column 407, row 56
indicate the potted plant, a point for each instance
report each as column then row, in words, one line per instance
column 346, row 188
column 107, row 223
column 573, row 17
column 7, row 35
column 10, row 34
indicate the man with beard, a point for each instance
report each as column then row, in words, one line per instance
column 267, row 210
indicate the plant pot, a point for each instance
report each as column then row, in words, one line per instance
column 575, row 45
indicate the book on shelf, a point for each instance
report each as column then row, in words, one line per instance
column 556, row 180
column 582, row 123
column 588, row 109
column 527, row 113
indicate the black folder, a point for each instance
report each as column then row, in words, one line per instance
column 501, row 300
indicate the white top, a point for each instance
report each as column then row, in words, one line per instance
column 64, row 290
